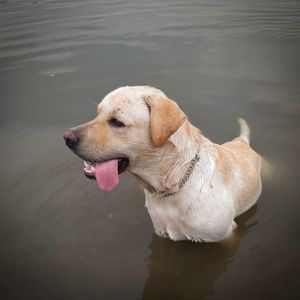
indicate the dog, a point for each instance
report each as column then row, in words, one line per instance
column 194, row 188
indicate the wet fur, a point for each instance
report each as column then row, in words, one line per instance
column 160, row 142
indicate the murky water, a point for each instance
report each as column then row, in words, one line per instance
column 62, row 238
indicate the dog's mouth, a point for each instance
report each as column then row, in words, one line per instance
column 107, row 172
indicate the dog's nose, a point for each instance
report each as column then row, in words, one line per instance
column 71, row 139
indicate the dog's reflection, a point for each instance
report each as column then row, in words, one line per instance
column 187, row 270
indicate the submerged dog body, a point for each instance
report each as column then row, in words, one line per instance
column 140, row 129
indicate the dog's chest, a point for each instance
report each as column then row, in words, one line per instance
column 164, row 211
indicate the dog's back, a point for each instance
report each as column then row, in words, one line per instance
column 240, row 166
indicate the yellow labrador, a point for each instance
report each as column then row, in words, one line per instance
column 194, row 188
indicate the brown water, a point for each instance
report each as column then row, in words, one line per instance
column 62, row 238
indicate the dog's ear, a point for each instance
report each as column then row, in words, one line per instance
column 165, row 118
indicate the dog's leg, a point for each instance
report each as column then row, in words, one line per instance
column 231, row 229
column 175, row 234
column 161, row 233
column 159, row 226
column 216, row 236
column 228, row 233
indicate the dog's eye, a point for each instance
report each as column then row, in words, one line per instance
column 116, row 123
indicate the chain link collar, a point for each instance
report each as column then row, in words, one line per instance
column 184, row 178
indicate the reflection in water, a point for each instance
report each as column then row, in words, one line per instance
column 186, row 270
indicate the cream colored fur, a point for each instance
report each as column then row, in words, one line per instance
column 224, row 183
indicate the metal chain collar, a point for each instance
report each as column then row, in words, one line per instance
column 185, row 177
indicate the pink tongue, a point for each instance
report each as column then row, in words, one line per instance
column 107, row 174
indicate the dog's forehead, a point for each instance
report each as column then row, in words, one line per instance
column 123, row 105
column 118, row 100
column 128, row 100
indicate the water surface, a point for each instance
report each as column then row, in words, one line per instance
column 62, row 238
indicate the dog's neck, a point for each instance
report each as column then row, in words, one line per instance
column 161, row 170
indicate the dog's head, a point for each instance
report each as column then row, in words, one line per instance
column 131, row 123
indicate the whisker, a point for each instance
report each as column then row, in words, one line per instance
column 92, row 102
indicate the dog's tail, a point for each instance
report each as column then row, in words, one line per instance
column 245, row 130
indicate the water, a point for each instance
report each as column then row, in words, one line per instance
column 62, row 238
